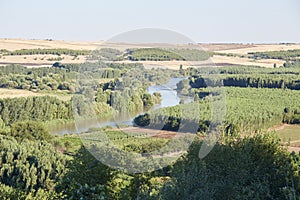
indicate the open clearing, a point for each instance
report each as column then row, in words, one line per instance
column 15, row 93
column 12, row 93
column 291, row 134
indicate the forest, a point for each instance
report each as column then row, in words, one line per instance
column 158, row 54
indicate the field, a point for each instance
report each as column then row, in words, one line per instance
column 260, row 48
column 16, row 93
column 217, row 60
column 13, row 93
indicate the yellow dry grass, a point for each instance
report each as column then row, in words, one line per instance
column 261, row 48
column 15, row 44
column 246, row 61
column 13, row 93
column 215, row 61
column 31, row 60
column 240, row 49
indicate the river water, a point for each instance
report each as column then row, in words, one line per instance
column 170, row 97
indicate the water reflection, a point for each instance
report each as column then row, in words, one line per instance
column 170, row 97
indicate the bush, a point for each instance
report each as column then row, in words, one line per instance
column 29, row 166
column 29, row 130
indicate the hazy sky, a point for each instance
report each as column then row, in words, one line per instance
column 246, row 21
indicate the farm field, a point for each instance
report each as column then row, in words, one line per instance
column 216, row 60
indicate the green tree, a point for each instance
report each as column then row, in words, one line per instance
column 30, row 130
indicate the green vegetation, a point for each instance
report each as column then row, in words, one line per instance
column 108, row 54
column 57, row 52
column 29, row 130
column 281, row 55
column 249, row 109
column 55, row 59
column 249, row 168
column 239, row 168
column 246, row 77
column 58, row 77
column 29, row 168
column 106, row 95
column 156, row 54
column 289, row 133
column 68, row 143
column 135, row 142
column 247, row 162
column 34, row 108
column 292, row 57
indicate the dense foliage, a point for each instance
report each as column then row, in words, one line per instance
column 240, row 166
column 282, row 55
column 57, row 77
column 249, row 168
column 249, row 109
column 58, row 52
column 237, row 168
column 156, row 54
column 43, row 108
column 30, row 130
column 29, row 168
column 289, row 81
column 105, row 96
column 106, row 54
column 246, row 77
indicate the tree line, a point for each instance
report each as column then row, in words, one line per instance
column 160, row 54
column 42, row 108
column 39, row 51
column 281, row 55
column 250, row 80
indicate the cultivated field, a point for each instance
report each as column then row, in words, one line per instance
column 260, row 48
column 216, row 60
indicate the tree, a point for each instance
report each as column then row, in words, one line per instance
column 30, row 130
column 181, row 70
column 30, row 166
column 255, row 167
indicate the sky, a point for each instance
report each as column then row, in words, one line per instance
column 210, row 21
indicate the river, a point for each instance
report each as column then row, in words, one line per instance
column 170, row 97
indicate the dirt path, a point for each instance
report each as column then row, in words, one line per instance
column 278, row 127
column 295, row 149
column 152, row 132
